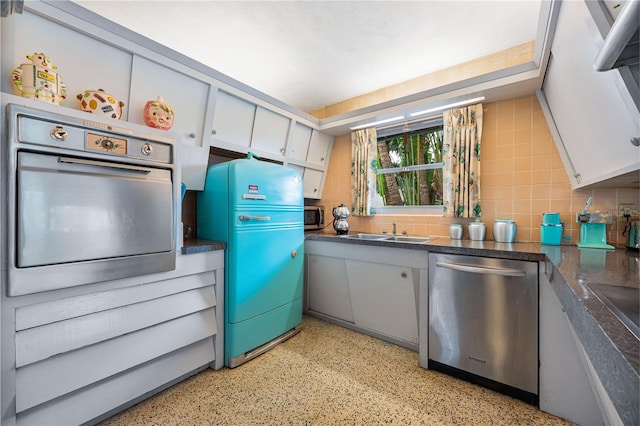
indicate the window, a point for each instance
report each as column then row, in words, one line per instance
column 409, row 175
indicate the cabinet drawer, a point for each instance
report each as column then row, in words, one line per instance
column 39, row 343
column 58, row 375
column 101, row 397
column 63, row 309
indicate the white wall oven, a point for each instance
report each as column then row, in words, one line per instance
column 89, row 200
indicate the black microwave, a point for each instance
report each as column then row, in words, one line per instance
column 313, row 218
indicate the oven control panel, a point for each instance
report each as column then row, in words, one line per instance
column 106, row 144
column 98, row 138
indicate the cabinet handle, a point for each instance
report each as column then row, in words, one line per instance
column 635, row 141
column 282, row 150
column 214, row 131
column 403, row 275
column 315, row 189
column 192, row 135
column 322, row 159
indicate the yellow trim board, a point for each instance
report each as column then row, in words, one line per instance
column 516, row 55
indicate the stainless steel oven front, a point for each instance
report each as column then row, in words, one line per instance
column 88, row 201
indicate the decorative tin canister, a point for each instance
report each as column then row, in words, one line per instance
column 455, row 231
column 101, row 103
column 158, row 114
column 477, row 230
column 551, row 233
column 37, row 80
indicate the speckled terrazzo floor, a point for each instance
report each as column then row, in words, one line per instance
column 328, row 375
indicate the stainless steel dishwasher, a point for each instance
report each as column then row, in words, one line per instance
column 483, row 322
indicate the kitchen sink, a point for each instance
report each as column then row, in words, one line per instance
column 365, row 236
column 387, row 237
column 624, row 302
column 408, row 239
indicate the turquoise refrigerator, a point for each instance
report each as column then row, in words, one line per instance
column 256, row 208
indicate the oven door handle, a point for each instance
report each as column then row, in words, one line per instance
column 129, row 168
column 507, row 272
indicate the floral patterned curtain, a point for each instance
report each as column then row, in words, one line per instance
column 364, row 157
column 462, row 136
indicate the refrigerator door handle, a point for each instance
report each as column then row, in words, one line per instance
column 245, row 217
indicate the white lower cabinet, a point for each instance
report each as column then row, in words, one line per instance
column 80, row 355
column 384, row 298
column 370, row 289
column 565, row 386
column 328, row 290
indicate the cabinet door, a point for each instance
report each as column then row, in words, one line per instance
column 300, row 142
column 233, row 120
column 270, row 131
column 299, row 169
column 565, row 390
column 312, row 183
column 319, row 148
column 384, row 299
column 588, row 109
column 327, row 287
column 84, row 63
column 193, row 162
column 187, row 97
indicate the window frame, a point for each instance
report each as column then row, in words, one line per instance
column 431, row 210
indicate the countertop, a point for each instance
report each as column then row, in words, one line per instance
column 612, row 349
column 198, row 245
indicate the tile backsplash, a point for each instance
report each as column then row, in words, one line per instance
column 522, row 176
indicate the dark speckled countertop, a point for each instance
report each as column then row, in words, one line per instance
column 198, row 245
column 612, row 349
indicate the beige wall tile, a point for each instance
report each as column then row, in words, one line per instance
column 521, row 177
column 522, row 150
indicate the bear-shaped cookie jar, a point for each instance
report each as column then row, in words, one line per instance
column 38, row 80
column 101, row 103
column 158, row 114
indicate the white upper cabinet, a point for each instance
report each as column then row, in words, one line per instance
column 207, row 111
column 84, row 63
column 590, row 117
column 300, row 137
column 187, row 97
column 319, row 148
column 312, row 182
column 270, row 131
column 233, row 121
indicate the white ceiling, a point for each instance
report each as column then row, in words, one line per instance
column 309, row 54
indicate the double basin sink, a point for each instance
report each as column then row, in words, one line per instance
column 387, row 237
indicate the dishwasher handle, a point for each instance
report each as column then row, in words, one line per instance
column 505, row 272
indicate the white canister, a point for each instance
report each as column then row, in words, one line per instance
column 477, row 231
column 455, row 231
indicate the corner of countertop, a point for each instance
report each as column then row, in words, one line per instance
column 198, row 245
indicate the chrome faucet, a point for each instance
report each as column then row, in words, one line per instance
column 394, row 228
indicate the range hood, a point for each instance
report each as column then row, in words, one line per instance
column 621, row 47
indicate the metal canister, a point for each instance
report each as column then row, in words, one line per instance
column 477, row 231
column 455, row 231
